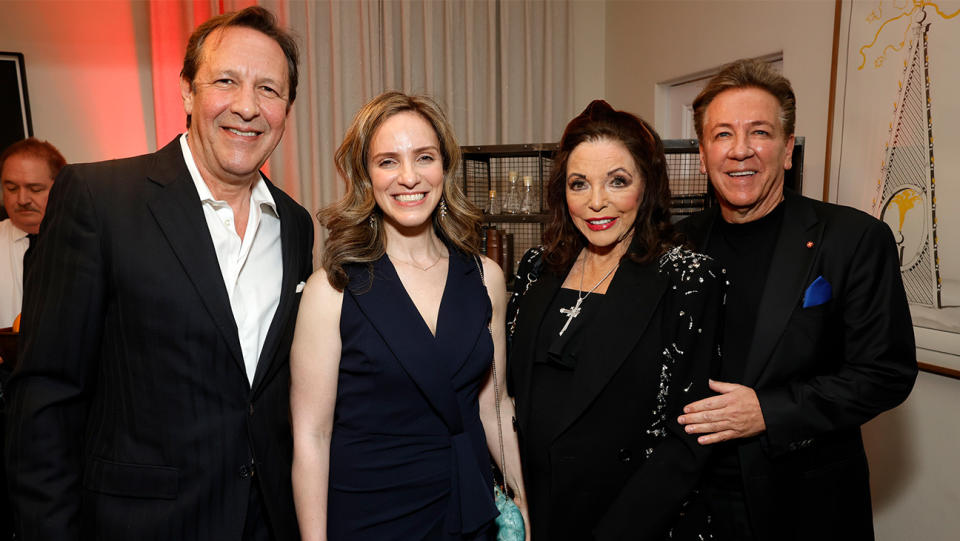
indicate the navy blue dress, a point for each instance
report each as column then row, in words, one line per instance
column 408, row 457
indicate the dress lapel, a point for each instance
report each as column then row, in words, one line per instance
column 793, row 257
column 394, row 316
column 430, row 363
column 175, row 204
column 462, row 320
column 623, row 315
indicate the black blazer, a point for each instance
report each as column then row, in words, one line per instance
column 131, row 415
column 621, row 466
column 821, row 372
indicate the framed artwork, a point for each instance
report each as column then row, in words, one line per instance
column 896, row 127
column 15, row 123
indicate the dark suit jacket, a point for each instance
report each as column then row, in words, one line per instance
column 132, row 417
column 647, row 353
column 821, row 372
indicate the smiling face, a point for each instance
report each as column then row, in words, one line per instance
column 26, row 183
column 405, row 165
column 238, row 104
column 603, row 192
column 745, row 152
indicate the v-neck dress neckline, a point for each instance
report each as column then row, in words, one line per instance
column 409, row 300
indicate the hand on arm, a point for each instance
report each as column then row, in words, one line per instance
column 734, row 413
column 314, row 366
column 496, row 289
column 650, row 501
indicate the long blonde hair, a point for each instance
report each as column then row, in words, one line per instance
column 355, row 224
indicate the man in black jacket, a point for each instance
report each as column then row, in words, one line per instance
column 151, row 401
column 818, row 337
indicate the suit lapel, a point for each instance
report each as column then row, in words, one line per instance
column 529, row 318
column 786, row 280
column 622, row 319
column 292, row 258
column 175, row 204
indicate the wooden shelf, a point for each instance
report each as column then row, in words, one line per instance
column 517, row 218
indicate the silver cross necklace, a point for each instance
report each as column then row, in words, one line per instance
column 574, row 310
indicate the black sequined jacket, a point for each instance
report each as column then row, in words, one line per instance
column 621, row 466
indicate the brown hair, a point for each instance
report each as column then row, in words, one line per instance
column 42, row 150
column 254, row 17
column 355, row 223
column 748, row 73
column 653, row 233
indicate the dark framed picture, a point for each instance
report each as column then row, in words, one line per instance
column 15, row 123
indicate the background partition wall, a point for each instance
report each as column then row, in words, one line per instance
column 502, row 70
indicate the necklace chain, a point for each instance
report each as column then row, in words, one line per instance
column 574, row 310
column 414, row 265
column 595, row 286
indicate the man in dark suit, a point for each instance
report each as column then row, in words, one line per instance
column 817, row 339
column 151, row 398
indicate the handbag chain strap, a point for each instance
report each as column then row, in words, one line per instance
column 496, row 390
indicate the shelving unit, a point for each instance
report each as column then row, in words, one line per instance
column 487, row 168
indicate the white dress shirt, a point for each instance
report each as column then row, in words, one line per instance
column 252, row 267
column 13, row 244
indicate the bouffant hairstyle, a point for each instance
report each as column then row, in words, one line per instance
column 652, row 231
column 355, row 223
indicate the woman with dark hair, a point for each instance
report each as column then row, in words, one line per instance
column 392, row 392
column 614, row 329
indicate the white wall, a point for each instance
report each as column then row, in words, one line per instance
column 915, row 464
column 914, row 450
column 588, row 19
column 651, row 42
column 88, row 73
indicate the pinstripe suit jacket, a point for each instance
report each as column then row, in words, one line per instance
column 132, row 417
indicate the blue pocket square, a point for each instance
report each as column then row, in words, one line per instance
column 818, row 293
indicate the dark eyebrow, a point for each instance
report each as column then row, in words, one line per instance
column 233, row 74
column 392, row 153
column 386, row 154
column 621, row 169
column 749, row 123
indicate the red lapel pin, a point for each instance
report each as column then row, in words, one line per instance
column 809, row 244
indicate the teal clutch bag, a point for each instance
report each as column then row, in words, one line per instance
column 510, row 522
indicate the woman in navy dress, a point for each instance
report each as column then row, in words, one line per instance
column 392, row 392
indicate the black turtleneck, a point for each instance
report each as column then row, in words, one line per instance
column 745, row 251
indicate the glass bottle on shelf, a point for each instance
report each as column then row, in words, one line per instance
column 493, row 204
column 529, row 203
column 511, row 204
